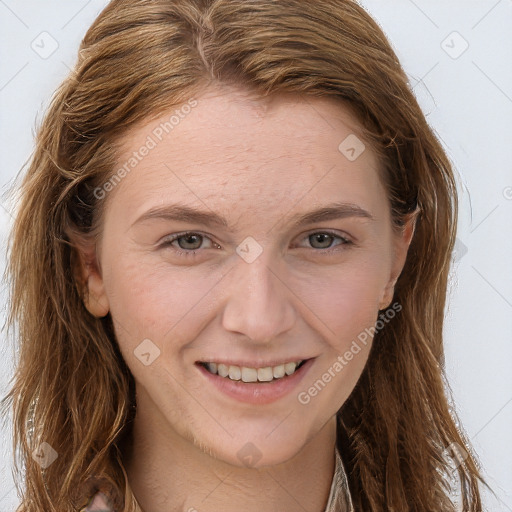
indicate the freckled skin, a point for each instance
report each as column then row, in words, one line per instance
column 256, row 164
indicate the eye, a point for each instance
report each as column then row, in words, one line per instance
column 189, row 242
column 324, row 240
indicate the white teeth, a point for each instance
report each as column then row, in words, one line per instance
column 278, row 371
column 249, row 374
column 265, row 374
column 289, row 368
column 235, row 373
column 223, row 370
column 212, row 367
column 246, row 374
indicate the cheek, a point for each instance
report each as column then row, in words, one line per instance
column 346, row 308
column 346, row 299
column 152, row 301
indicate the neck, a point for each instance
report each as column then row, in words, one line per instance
column 169, row 473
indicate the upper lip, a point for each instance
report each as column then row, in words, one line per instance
column 254, row 363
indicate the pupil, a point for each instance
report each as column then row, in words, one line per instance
column 188, row 238
column 322, row 238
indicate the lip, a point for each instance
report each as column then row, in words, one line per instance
column 260, row 393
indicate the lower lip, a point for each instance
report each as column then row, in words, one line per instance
column 258, row 393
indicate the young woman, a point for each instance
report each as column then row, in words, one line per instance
column 229, row 271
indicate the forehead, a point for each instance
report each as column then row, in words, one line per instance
column 233, row 146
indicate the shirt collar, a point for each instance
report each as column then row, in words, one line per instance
column 339, row 496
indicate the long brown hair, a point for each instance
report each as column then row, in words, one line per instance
column 397, row 432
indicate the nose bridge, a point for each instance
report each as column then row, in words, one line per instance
column 258, row 304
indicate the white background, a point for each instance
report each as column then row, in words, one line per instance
column 467, row 96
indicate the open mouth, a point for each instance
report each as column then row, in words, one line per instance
column 247, row 374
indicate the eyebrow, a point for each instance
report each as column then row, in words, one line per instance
column 180, row 212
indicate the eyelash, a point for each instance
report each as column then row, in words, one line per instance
column 188, row 254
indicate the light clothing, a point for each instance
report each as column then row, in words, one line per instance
column 339, row 497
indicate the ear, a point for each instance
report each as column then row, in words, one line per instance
column 88, row 276
column 402, row 241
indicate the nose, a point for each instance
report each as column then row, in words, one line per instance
column 259, row 304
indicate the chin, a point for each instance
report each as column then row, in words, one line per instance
column 259, row 453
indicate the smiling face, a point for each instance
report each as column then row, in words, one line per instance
column 254, row 281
